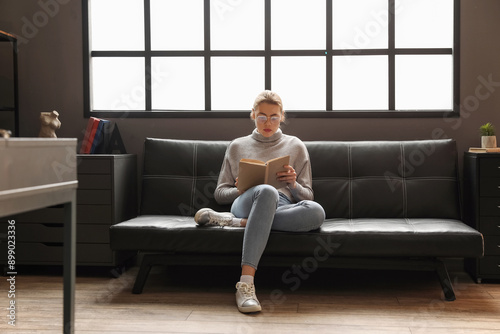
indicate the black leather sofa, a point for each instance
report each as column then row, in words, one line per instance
column 388, row 204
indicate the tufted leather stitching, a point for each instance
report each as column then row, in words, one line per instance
column 349, row 163
column 195, row 175
column 408, row 221
column 403, row 181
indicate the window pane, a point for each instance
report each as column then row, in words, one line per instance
column 300, row 81
column 177, row 25
column 298, row 24
column 424, row 82
column 360, row 83
column 237, row 25
column 118, row 83
column 236, row 82
column 360, row 79
column 424, row 24
column 360, row 24
column 117, row 24
column 178, row 83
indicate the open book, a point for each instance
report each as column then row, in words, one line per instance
column 484, row 150
column 255, row 172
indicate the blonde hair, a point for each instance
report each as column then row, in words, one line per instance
column 270, row 97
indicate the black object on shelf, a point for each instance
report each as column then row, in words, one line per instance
column 9, row 96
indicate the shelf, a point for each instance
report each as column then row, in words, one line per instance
column 6, row 37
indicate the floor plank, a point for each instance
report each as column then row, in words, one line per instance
column 201, row 300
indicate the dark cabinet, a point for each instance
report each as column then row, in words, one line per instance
column 107, row 194
column 482, row 210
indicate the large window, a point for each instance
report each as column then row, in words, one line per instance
column 326, row 58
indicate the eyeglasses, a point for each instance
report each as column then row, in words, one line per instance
column 273, row 119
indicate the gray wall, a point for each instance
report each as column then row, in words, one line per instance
column 50, row 78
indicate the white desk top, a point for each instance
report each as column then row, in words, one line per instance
column 36, row 172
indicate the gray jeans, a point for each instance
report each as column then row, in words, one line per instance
column 267, row 209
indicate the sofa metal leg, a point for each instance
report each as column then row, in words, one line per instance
column 445, row 281
column 142, row 275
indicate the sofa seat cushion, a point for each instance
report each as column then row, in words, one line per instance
column 367, row 237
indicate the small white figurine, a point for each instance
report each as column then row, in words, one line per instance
column 49, row 123
column 5, row 133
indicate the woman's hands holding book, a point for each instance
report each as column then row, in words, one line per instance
column 290, row 176
column 236, row 185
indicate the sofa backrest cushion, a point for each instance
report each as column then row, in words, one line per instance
column 364, row 179
column 386, row 179
column 180, row 176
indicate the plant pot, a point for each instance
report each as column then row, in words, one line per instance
column 488, row 141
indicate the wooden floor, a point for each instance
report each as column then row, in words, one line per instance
column 182, row 300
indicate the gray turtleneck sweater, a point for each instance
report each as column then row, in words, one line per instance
column 256, row 146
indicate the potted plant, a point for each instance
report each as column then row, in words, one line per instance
column 488, row 138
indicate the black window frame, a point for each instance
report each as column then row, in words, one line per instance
column 267, row 53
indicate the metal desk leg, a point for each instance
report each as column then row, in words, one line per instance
column 69, row 265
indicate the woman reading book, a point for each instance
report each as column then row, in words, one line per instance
column 263, row 208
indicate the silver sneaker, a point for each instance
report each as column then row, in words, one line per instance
column 209, row 217
column 246, row 299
